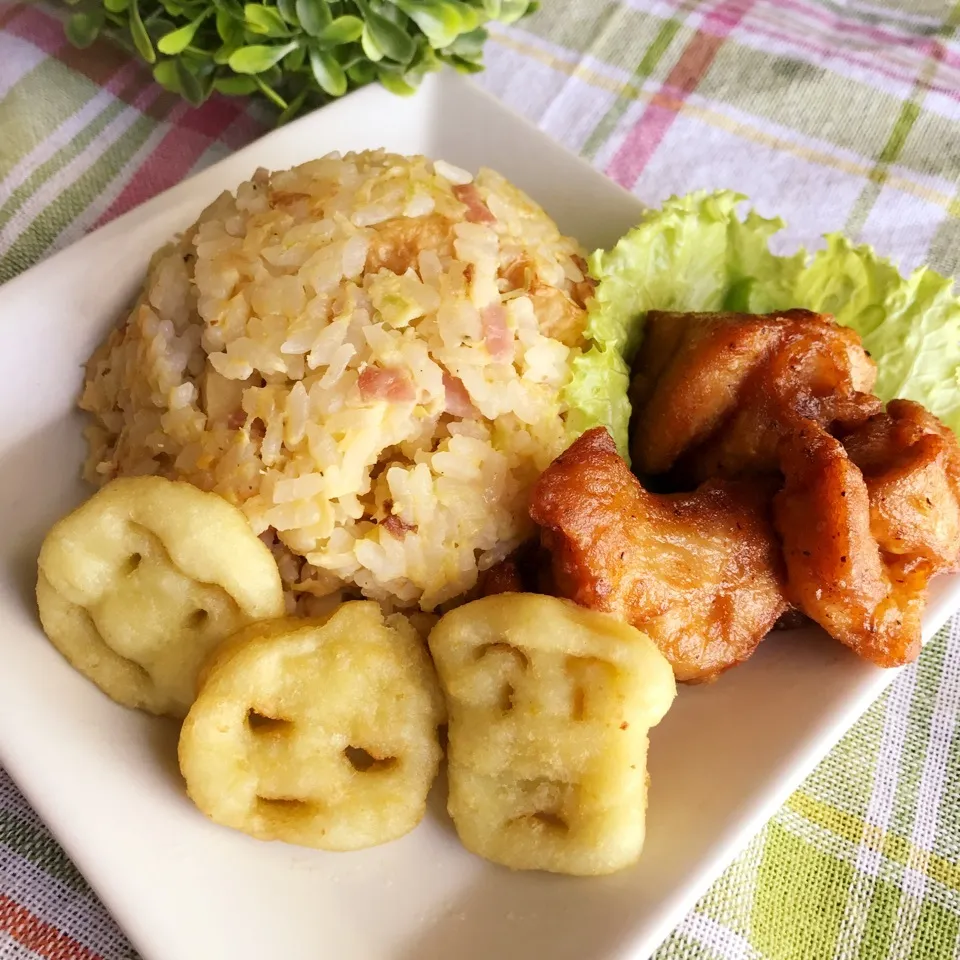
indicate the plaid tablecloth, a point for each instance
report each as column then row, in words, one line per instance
column 837, row 114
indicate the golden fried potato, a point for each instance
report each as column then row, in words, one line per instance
column 320, row 732
column 549, row 707
column 138, row 584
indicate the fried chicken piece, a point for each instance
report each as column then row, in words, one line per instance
column 698, row 572
column 818, row 372
column 910, row 463
column 690, row 371
column 870, row 507
column 714, row 391
column 836, row 572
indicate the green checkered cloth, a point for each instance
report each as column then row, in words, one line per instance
column 836, row 115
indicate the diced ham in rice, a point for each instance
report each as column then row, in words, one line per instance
column 386, row 383
column 477, row 210
column 496, row 333
column 456, row 399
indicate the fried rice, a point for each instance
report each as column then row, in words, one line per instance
column 367, row 355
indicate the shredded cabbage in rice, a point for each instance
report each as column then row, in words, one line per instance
column 365, row 353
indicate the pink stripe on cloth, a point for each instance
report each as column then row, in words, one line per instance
column 38, row 28
column 768, row 20
column 174, row 155
column 908, row 79
column 648, row 132
column 926, row 46
column 212, row 118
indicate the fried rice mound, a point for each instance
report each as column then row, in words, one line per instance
column 367, row 355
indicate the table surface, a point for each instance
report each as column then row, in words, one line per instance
column 835, row 115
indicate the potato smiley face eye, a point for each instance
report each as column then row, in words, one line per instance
column 137, row 585
column 321, row 733
column 364, row 762
column 549, row 706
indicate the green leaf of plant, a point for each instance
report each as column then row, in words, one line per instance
column 116, row 6
column 469, row 15
column 229, row 28
column 165, row 73
column 191, row 8
column 462, row 65
column 469, row 45
column 293, row 109
column 138, row 32
column 157, row 25
column 390, row 10
column 328, row 72
column 178, row 40
column 232, row 8
column 394, row 81
column 235, row 86
column 370, row 48
column 440, row 22
column 288, row 10
column 258, row 58
column 349, row 56
column 426, row 61
column 271, row 94
column 314, row 16
column 394, row 41
column 362, row 72
column 194, row 89
column 272, row 77
column 343, row 30
column 83, row 28
column 172, row 7
column 264, row 20
column 492, row 9
column 198, row 60
column 513, row 10
column 293, row 62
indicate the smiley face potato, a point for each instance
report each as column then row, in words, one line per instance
column 550, row 707
column 319, row 732
column 141, row 582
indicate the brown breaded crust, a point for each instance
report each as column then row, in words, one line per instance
column 699, row 572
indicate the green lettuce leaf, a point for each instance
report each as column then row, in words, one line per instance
column 909, row 325
column 597, row 394
column 698, row 253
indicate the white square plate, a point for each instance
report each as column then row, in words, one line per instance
column 106, row 779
